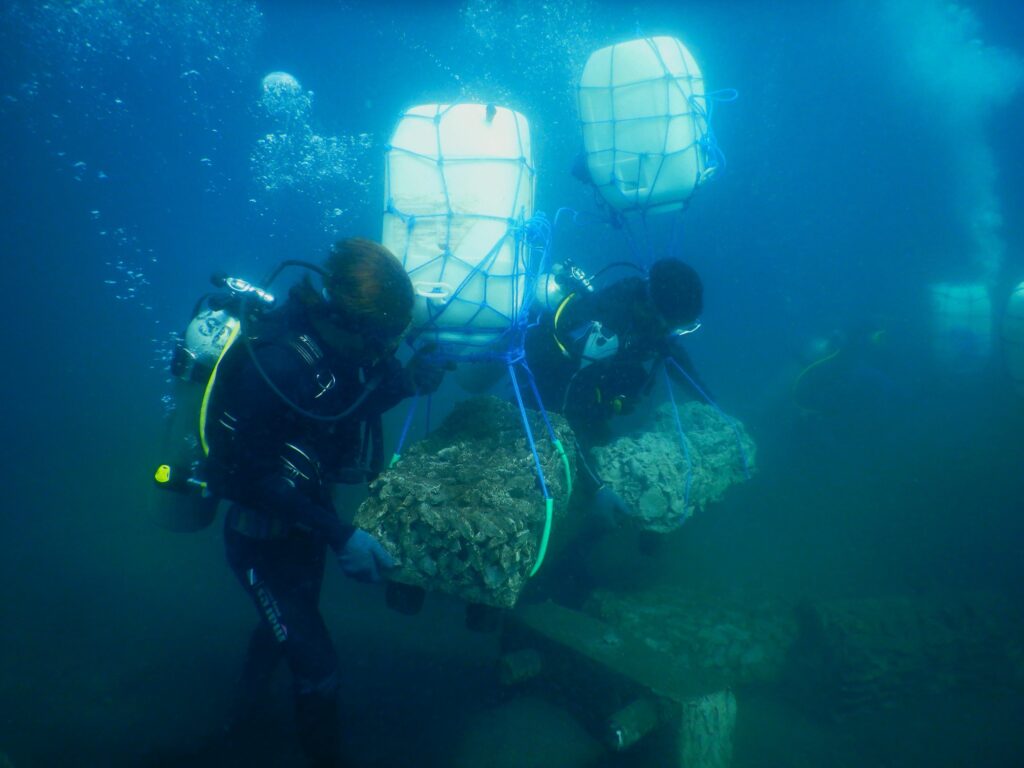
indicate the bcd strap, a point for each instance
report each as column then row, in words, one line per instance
column 558, row 318
column 311, row 354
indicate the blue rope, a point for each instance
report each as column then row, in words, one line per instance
column 728, row 420
column 551, row 430
column 534, row 235
column 538, row 229
column 536, row 396
column 405, row 431
column 709, row 143
column 548, row 500
column 529, row 431
column 531, row 244
column 562, row 212
column 682, row 442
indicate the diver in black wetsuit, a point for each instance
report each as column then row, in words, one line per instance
column 598, row 353
column 594, row 356
column 292, row 410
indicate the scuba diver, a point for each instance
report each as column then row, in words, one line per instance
column 850, row 388
column 597, row 354
column 292, row 408
column 838, row 368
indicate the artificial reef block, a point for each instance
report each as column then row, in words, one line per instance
column 650, row 470
column 462, row 510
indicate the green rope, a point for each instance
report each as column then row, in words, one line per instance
column 549, row 505
column 565, row 463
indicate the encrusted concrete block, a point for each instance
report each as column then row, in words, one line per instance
column 662, row 484
column 463, row 511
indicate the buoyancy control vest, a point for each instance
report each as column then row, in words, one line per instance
column 184, row 501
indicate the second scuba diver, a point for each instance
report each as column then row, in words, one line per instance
column 598, row 353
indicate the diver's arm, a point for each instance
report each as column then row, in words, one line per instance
column 591, row 481
column 394, row 384
column 281, row 497
column 277, row 474
column 607, row 509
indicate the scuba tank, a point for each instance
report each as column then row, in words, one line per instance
column 554, row 286
column 181, row 501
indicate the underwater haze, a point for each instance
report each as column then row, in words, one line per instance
column 872, row 155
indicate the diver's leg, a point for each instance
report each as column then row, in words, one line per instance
column 247, row 558
column 308, row 649
column 261, row 659
column 316, row 716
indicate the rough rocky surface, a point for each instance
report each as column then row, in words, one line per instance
column 463, row 511
column 650, row 473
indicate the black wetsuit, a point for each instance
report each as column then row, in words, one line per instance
column 276, row 465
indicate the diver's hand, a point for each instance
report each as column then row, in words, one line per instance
column 364, row 559
column 425, row 374
column 609, row 509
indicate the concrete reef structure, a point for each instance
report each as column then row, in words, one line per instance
column 649, row 469
column 462, row 510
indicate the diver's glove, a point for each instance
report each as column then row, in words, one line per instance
column 609, row 509
column 424, row 373
column 363, row 558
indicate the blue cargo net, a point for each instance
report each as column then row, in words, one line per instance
column 473, row 299
column 491, row 304
column 667, row 363
column 709, row 156
column 683, row 442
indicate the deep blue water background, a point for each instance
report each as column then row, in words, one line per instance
column 839, row 205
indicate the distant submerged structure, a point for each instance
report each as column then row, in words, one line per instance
column 963, row 81
column 962, row 324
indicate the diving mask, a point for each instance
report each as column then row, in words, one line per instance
column 684, row 330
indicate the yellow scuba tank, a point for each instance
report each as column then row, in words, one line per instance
column 180, row 501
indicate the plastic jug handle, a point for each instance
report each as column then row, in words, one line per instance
column 439, row 292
